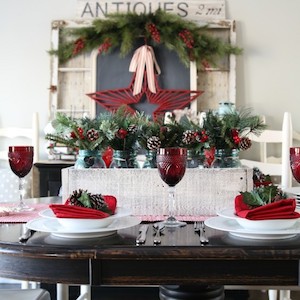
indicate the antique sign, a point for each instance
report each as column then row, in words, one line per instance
column 191, row 9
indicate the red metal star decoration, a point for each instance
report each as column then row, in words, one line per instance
column 166, row 99
column 113, row 99
column 170, row 99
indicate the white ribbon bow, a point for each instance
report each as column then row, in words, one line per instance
column 144, row 57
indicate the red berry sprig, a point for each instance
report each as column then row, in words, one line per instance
column 235, row 136
column 154, row 32
column 201, row 137
column 187, row 38
column 78, row 46
column 79, row 133
column 122, row 133
column 104, row 47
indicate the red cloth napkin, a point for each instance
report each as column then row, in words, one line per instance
column 282, row 209
column 71, row 211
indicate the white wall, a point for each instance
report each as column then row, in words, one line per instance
column 267, row 72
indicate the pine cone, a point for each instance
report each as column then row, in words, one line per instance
column 153, row 143
column 74, row 198
column 132, row 128
column 98, row 202
column 188, row 137
column 94, row 201
column 245, row 143
column 92, row 134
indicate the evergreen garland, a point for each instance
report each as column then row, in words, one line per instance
column 189, row 40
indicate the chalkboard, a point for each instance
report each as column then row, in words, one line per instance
column 113, row 73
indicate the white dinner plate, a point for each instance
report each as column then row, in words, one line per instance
column 266, row 225
column 53, row 227
column 77, row 223
column 231, row 226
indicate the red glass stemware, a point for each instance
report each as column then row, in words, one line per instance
column 171, row 164
column 20, row 160
column 295, row 162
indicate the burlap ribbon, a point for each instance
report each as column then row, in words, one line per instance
column 144, row 57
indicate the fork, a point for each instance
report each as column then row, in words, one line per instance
column 158, row 229
column 199, row 227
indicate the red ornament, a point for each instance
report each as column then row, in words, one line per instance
column 209, row 156
column 107, row 156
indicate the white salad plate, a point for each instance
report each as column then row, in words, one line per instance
column 52, row 226
column 231, row 226
column 86, row 224
column 265, row 225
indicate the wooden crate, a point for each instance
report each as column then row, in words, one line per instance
column 202, row 192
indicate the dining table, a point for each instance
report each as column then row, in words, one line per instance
column 180, row 264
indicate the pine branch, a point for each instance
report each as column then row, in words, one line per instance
column 123, row 29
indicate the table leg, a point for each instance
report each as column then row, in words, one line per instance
column 181, row 292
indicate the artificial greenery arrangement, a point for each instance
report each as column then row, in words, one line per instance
column 157, row 134
column 194, row 137
column 82, row 134
column 122, row 128
column 185, row 133
column 231, row 130
column 263, row 195
column 264, row 192
column 187, row 38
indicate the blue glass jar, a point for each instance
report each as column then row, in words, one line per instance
column 226, row 158
column 89, row 159
column 124, row 159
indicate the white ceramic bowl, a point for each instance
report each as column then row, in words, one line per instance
column 266, row 225
column 85, row 224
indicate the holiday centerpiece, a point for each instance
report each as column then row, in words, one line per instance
column 171, row 133
column 122, row 130
column 228, row 134
column 195, row 139
column 156, row 134
column 82, row 134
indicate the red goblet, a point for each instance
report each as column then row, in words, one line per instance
column 20, row 161
column 171, row 164
column 295, row 162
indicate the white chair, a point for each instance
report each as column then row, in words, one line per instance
column 28, row 294
column 31, row 134
column 275, row 166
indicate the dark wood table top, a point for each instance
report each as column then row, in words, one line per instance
column 117, row 260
